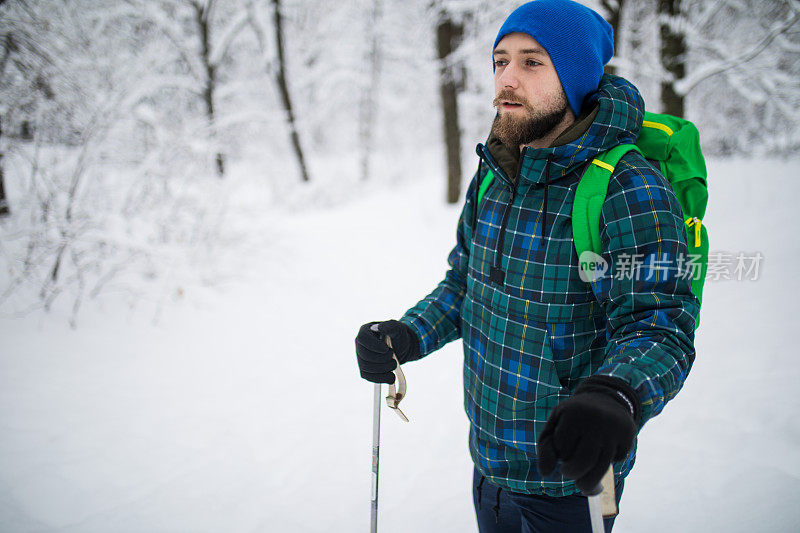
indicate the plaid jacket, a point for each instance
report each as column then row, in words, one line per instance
column 532, row 329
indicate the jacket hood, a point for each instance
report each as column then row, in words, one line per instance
column 618, row 111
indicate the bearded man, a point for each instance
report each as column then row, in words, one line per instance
column 560, row 374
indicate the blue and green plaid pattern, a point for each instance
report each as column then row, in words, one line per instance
column 529, row 342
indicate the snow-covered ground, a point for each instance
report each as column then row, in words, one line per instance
column 242, row 408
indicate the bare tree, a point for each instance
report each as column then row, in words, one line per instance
column 369, row 98
column 202, row 19
column 280, row 76
column 613, row 14
column 8, row 44
column 673, row 55
column 282, row 86
column 449, row 34
column 24, row 62
column 5, row 210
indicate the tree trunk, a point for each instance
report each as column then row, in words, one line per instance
column 613, row 9
column 448, row 37
column 5, row 210
column 204, row 29
column 673, row 57
column 8, row 46
column 281, row 81
column 369, row 100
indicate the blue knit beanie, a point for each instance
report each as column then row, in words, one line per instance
column 578, row 40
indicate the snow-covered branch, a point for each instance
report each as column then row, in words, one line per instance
column 227, row 36
column 685, row 85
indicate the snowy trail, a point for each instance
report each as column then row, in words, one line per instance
column 242, row 410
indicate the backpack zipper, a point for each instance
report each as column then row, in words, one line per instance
column 697, row 223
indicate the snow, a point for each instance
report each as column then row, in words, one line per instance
column 241, row 408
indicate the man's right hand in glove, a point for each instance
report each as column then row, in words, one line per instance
column 374, row 356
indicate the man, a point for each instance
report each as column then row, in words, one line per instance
column 559, row 374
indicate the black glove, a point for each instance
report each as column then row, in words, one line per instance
column 374, row 356
column 589, row 430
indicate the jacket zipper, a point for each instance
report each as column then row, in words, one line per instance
column 496, row 273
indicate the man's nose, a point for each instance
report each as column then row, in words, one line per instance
column 509, row 78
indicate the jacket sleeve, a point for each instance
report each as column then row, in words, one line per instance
column 436, row 319
column 646, row 292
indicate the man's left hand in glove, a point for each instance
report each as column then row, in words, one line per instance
column 589, row 430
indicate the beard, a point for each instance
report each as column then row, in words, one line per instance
column 517, row 129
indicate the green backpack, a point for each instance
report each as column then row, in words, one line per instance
column 673, row 144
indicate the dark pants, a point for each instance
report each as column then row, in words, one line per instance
column 502, row 511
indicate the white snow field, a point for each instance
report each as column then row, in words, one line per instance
column 241, row 409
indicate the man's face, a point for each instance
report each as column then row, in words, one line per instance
column 529, row 98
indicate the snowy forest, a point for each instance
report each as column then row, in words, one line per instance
column 129, row 126
column 201, row 201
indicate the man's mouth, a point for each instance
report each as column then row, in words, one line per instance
column 507, row 102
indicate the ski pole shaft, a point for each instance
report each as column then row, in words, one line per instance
column 376, row 440
column 602, row 501
column 596, row 514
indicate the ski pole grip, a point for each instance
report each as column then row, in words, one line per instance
column 606, row 492
column 399, row 392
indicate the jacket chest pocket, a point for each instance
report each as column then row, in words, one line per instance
column 544, row 269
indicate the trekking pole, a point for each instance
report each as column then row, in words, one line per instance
column 596, row 509
column 602, row 501
column 376, row 440
column 393, row 401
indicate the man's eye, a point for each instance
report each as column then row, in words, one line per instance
column 499, row 63
column 532, row 63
